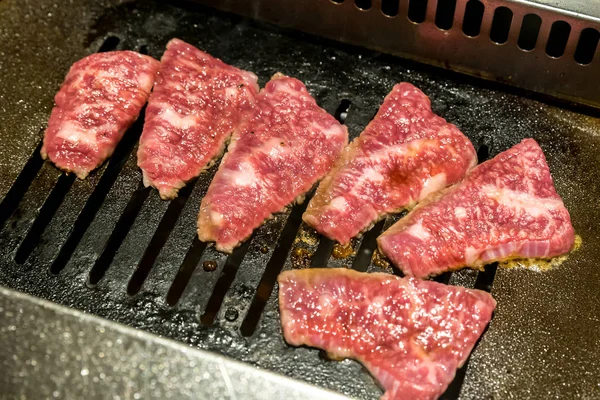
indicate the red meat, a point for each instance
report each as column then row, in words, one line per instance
column 404, row 154
column 101, row 97
column 197, row 102
column 412, row 335
column 505, row 208
column 284, row 147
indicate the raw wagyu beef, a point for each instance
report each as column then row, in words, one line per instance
column 283, row 148
column 412, row 335
column 505, row 208
column 197, row 103
column 404, row 154
column 101, row 97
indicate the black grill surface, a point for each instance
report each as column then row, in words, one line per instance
column 111, row 247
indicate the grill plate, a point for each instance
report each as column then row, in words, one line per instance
column 542, row 337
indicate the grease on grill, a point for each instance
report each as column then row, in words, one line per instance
column 540, row 264
column 300, row 258
column 342, row 251
column 209, row 265
column 264, row 249
column 380, row 260
column 307, row 235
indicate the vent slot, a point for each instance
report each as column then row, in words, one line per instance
column 530, row 29
column 501, row 25
column 390, row 8
column 587, row 45
column 363, row 5
column 473, row 18
column 417, row 9
column 444, row 15
column 557, row 41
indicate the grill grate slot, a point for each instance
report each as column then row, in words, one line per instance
column 274, row 267
column 47, row 211
column 19, row 188
column 342, row 110
column 143, row 49
column 159, row 239
column 192, row 258
column 110, row 43
column 443, row 278
column 119, row 233
column 224, row 282
column 323, row 252
column 367, row 247
column 485, row 279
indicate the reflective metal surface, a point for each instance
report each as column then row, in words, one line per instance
column 365, row 23
column 49, row 351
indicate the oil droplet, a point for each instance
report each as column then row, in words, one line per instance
column 300, row 258
column 264, row 249
column 231, row 314
column 209, row 266
column 342, row 251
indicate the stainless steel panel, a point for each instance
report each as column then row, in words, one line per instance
column 533, row 70
column 50, row 351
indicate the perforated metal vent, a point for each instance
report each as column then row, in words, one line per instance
column 548, row 46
